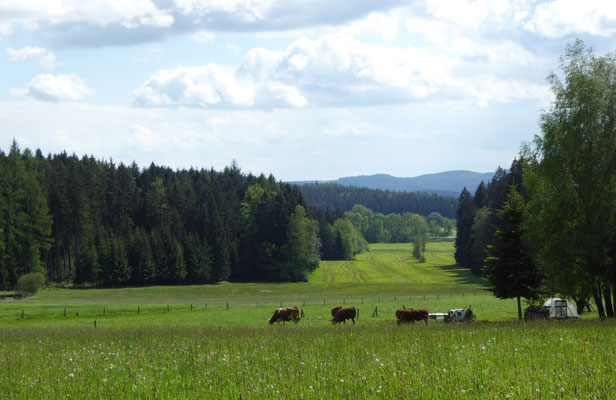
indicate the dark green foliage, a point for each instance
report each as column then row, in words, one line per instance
column 465, row 217
column 95, row 223
column 141, row 258
column 349, row 241
column 344, row 198
column 30, row 282
column 572, row 182
column 509, row 266
column 477, row 215
column 26, row 223
column 301, row 252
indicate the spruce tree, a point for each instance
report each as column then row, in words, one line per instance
column 465, row 217
column 509, row 267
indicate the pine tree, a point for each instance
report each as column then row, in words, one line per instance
column 27, row 223
column 465, row 217
column 509, row 267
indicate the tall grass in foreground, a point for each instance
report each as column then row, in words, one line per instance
column 551, row 359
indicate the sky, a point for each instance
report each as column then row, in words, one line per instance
column 301, row 89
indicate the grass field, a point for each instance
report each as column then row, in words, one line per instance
column 148, row 343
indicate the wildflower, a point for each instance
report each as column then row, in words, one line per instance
column 71, row 375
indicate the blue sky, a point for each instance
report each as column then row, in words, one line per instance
column 300, row 89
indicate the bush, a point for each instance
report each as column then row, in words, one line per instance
column 30, row 283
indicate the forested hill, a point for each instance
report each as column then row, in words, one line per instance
column 449, row 183
column 91, row 222
column 338, row 197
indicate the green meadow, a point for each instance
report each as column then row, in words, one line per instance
column 215, row 341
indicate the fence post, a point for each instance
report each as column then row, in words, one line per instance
column 104, row 311
column 227, row 305
column 167, row 307
column 437, row 296
column 94, row 323
column 22, row 314
column 138, row 309
column 190, row 306
column 281, row 304
column 358, row 313
column 65, row 311
column 375, row 313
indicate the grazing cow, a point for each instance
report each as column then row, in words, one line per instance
column 459, row 315
column 335, row 310
column 410, row 315
column 342, row 314
column 285, row 314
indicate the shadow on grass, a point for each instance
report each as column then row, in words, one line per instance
column 463, row 275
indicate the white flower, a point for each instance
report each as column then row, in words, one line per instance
column 71, row 375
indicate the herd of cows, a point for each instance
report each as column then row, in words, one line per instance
column 404, row 315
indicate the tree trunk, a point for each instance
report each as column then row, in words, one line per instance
column 614, row 295
column 609, row 311
column 519, row 309
column 596, row 294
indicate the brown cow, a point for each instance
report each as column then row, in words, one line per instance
column 410, row 315
column 342, row 314
column 335, row 310
column 285, row 314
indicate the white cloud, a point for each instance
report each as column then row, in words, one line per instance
column 34, row 14
column 121, row 22
column 559, row 18
column 214, row 86
column 339, row 71
column 55, row 88
column 42, row 57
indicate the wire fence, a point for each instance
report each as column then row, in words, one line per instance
column 36, row 311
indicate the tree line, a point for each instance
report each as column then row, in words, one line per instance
column 335, row 196
column 548, row 226
column 95, row 223
column 397, row 228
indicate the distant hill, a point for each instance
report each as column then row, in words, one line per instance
column 449, row 183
